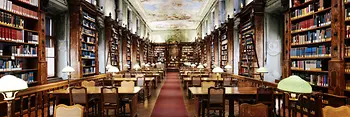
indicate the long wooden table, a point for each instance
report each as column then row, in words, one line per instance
column 231, row 93
column 96, row 92
column 147, row 81
column 187, row 80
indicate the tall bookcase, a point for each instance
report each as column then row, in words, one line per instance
column 251, row 38
column 204, row 51
column 83, row 38
column 144, row 45
column 159, row 52
column 214, row 50
column 198, row 50
column 318, row 50
column 187, row 53
column 150, row 53
column 126, row 47
column 226, row 43
column 112, row 32
column 22, row 42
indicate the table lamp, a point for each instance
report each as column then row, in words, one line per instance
column 147, row 66
column 294, row 85
column 112, row 70
column 9, row 87
column 126, row 66
column 153, row 64
column 217, row 70
column 143, row 65
column 228, row 67
column 68, row 70
column 108, row 66
column 136, row 66
column 200, row 67
column 262, row 70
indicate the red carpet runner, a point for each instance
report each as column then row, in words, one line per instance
column 170, row 102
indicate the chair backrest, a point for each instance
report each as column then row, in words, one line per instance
column 265, row 96
column 342, row 111
column 78, row 95
column 307, row 104
column 227, row 81
column 127, row 75
column 140, row 81
column 333, row 100
column 127, row 84
column 216, row 95
column 109, row 95
column 256, row 110
column 206, row 85
column 62, row 110
column 88, row 83
column 118, row 75
column 196, row 81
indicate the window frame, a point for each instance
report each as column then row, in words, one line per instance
column 54, row 43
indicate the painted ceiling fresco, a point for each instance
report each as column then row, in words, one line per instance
column 173, row 14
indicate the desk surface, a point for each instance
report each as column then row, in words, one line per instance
column 228, row 90
column 97, row 90
column 203, row 79
column 132, row 79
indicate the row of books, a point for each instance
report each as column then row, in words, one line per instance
column 11, row 20
column 88, row 17
column 89, row 39
column 319, row 51
column 304, row 11
column 347, row 13
column 88, row 32
column 347, row 31
column 315, row 36
column 10, row 65
column 323, row 19
column 305, row 24
column 28, row 77
column 31, row 2
column 314, row 79
column 89, row 70
column 89, row 24
column 24, row 50
column 347, row 67
column 87, row 47
column 307, row 65
column 89, row 63
column 18, row 35
column 246, row 26
column 9, row 6
column 85, row 54
column 347, row 50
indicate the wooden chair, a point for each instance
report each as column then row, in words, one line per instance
column 342, row 111
column 109, row 100
column 126, row 100
column 227, row 82
column 196, row 81
column 88, row 83
column 256, row 110
column 78, row 95
column 266, row 96
column 141, row 82
column 127, row 75
column 206, row 85
column 216, row 100
column 69, row 111
column 204, row 101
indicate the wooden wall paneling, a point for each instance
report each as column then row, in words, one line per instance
column 133, row 50
column 75, row 29
column 286, row 72
column 42, row 64
column 336, row 64
column 230, row 39
column 124, row 48
column 216, row 48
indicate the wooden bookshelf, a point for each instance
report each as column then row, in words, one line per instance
column 112, row 34
column 126, row 47
column 159, row 52
column 226, row 43
column 21, row 54
column 198, row 51
column 252, row 38
column 150, row 53
column 309, row 43
column 187, row 53
column 214, row 48
column 84, row 38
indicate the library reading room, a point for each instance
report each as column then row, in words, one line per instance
column 175, row 58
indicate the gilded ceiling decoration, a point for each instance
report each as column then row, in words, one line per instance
column 172, row 14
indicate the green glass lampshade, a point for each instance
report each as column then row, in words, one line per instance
column 262, row 70
column 294, row 84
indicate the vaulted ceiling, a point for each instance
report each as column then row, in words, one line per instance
column 172, row 14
